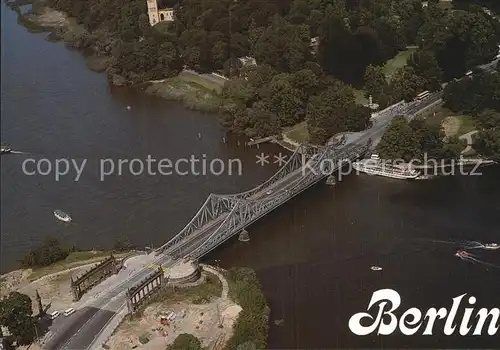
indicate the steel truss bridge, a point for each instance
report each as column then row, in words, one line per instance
column 223, row 216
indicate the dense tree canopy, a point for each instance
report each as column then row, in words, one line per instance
column 49, row 252
column 355, row 39
column 416, row 140
column 16, row 315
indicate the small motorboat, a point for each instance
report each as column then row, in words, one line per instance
column 5, row 149
column 59, row 214
column 491, row 246
column 376, row 268
column 462, row 254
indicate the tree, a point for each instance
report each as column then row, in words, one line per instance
column 16, row 315
column 48, row 253
column 285, row 101
column 430, row 139
column 489, row 119
column 375, row 82
column 460, row 39
column 333, row 110
column 400, row 141
column 284, row 46
column 412, row 17
column 488, row 143
column 264, row 122
column 406, row 84
column 185, row 341
column 452, row 148
column 426, row 66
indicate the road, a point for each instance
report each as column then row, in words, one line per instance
column 80, row 330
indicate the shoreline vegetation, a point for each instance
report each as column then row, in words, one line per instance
column 52, row 258
column 188, row 88
column 316, row 63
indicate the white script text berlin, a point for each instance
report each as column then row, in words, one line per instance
column 412, row 320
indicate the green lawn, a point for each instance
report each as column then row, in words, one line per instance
column 209, row 84
column 397, row 62
column 74, row 259
column 360, row 97
column 298, row 133
column 467, row 122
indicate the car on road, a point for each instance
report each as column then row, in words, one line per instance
column 69, row 311
column 54, row 315
column 269, row 192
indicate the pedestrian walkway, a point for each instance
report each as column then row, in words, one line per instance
column 470, row 141
column 217, row 272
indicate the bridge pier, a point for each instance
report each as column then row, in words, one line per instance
column 244, row 236
column 331, row 180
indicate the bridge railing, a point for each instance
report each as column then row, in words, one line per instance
column 247, row 211
column 293, row 163
column 213, row 207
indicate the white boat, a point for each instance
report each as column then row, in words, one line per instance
column 375, row 166
column 376, row 268
column 59, row 214
column 5, row 149
column 491, row 246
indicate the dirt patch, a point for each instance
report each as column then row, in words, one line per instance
column 14, row 280
column 451, row 125
column 211, row 322
column 54, row 290
column 48, row 17
column 202, row 321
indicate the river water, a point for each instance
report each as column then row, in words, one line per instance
column 313, row 255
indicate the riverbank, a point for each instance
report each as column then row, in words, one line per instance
column 225, row 310
column 19, row 279
column 193, row 90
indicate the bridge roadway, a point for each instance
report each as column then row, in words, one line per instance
column 80, row 330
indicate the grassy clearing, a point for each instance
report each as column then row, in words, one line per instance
column 397, row 62
column 200, row 294
column 360, row 97
column 214, row 84
column 74, row 259
column 466, row 122
column 186, row 88
column 298, row 133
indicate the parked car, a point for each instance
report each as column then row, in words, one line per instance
column 69, row 311
column 54, row 315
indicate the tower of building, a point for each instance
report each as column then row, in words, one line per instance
column 153, row 12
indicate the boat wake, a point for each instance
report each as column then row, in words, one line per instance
column 465, row 244
column 474, row 259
